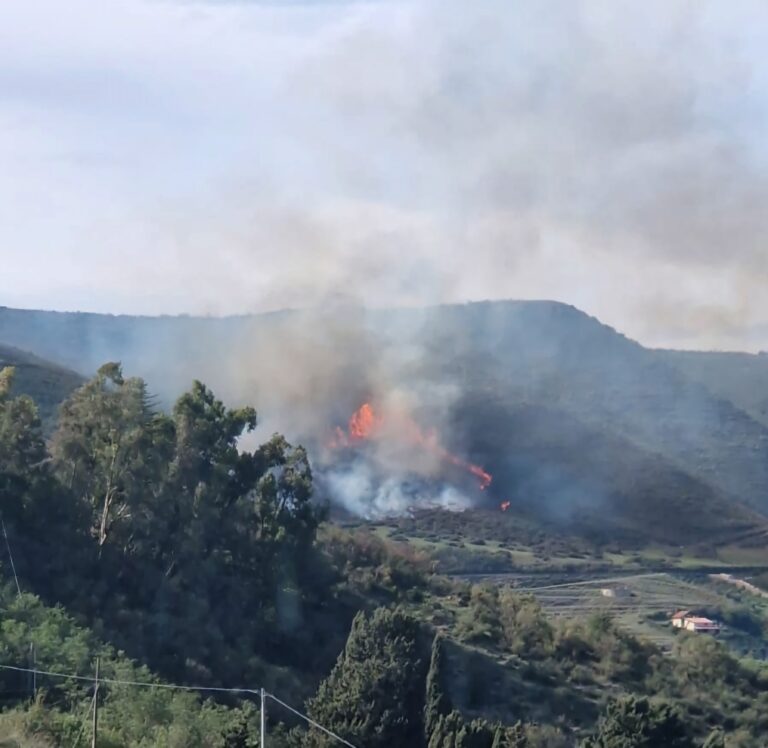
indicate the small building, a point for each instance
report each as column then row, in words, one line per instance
column 684, row 620
column 702, row 625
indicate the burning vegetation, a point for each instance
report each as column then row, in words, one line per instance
column 372, row 425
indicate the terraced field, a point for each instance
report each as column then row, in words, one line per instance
column 642, row 603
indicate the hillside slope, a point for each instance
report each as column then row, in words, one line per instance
column 45, row 382
column 556, row 356
column 741, row 378
column 594, row 482
column 309, row 370
column 167, row 351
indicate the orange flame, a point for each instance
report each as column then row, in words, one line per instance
column 365, row 424
column 505, row 505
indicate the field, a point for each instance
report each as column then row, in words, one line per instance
column 640, row 588
column 642, row 603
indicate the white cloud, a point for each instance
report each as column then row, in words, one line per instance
column 222, row 157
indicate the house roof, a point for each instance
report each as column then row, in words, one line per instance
column 701, row 621
column 681, row 614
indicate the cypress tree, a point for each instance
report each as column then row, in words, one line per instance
column 373, row 696
column 436, row 703
column 640, row 723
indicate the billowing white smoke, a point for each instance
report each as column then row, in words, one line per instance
column 360, row 490
column 312, row 373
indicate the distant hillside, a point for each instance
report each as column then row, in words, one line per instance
column 655, row 431
column 47, row 383
column 595, row 482
column 559, row 357
column 741, row 378
column 167, row 351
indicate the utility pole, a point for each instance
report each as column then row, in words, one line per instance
column 95, row 706
column 33, row 668
column 263, row 731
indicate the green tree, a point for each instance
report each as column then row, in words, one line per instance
column 33, row 506
column 483, row 625
column 236, row 526
column 245, row 509
column 632, row 722
column 22, row 450
column 702, row 659
column 374, row 694
column 446, row 731
column 243, row 732
column 103, row 448
column 510, row 737
column 452, row 731
column 215, row 532
column 436, row 702
column 525, row 627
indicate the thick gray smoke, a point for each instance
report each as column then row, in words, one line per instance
column 566, row 414
column 360, row 491
column 233, row 157
column 310, row 372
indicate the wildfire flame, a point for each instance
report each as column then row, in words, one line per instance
column 366, row 424
column 363, row 423
column 505, row 505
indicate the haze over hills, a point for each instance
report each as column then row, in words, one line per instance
column 572, row 418
column 741, row 378
column 45, row 382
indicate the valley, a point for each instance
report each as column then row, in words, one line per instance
column 507, row 543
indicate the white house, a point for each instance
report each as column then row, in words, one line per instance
column 701, row 624
column 684, row 620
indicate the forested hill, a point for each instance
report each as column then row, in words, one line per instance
column 48, row 384
column 701, row 414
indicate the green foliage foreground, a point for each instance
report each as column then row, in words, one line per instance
column 184, row 550
column 148, row 715
column 158, row 544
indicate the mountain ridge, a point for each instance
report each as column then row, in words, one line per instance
column 46, row 382
column 516, row 354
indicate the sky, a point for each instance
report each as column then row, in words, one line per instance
column 161, row 156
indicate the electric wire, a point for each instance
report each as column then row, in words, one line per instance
column 10, row 555
column 120, row 682
column 310, row 721
column 173, row 686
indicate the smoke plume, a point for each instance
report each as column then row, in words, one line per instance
column 246, row 156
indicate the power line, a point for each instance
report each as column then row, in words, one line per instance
column 120, row 682
column 310, row 721
column 10, row 555
column 172, row 686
